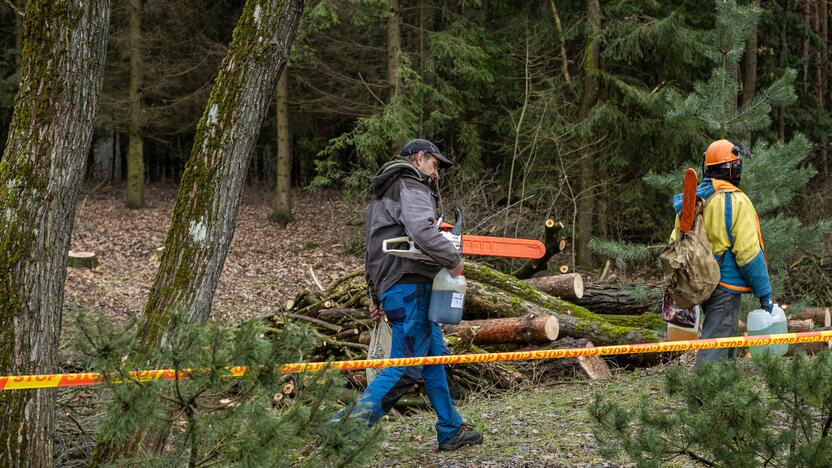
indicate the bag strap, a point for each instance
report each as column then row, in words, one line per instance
column 728, row 211
column 711, row 197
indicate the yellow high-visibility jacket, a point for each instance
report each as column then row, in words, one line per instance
column 734, row 234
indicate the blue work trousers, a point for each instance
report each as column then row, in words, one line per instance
column 406, row 306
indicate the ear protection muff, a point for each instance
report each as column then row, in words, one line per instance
column 732, row 170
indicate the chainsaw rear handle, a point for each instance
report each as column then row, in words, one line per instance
column 411, row 252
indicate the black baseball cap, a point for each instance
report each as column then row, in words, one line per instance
column 414, row 146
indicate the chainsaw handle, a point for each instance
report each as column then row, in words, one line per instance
column 410, row 252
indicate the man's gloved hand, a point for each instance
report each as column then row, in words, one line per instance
column 766, row 303
column 376, row 312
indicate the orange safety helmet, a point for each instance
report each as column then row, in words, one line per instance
column 721, row 151
column 723, row 160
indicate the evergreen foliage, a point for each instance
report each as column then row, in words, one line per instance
column 214, row 418
column 722, row 416
column 776, row 172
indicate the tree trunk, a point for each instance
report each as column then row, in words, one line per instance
column 564, row 59
column 586, row 197
column 805, row 55
column 823, row 81
column 569, row 286
column 282, row 213
column 18, row 39
column 529, row 329
column 800, row 326
column 554, row 243
column 610, row 300
column 394, row 46
column 819, row 315
column 749, row 75
column 206, row 207
column 507, row 296
column 135, row 145
column 209, row 195
column 394, row 51
column 40, row 177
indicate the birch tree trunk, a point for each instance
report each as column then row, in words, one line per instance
column 40, row 176
column 282, row 198
column 135, row 145
column 586, row 198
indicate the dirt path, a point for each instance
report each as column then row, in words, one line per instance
column 266, row 264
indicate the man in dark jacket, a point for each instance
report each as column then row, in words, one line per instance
column 405, row 204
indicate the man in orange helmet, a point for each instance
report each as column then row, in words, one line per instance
column 733, row 230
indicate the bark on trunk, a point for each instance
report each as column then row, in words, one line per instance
column 564, row 59
column 800, row 326
column 40, row 176
column 569, row 286
column 586, row 197
column 805, row 55
column 209, row 195
column 394, row 46
column 823, row 80
column 507, row 296
column 820, row 315
column 394, row 50
column 135, row 145
column 529, row 329
column 610, row 300
column 282, row 213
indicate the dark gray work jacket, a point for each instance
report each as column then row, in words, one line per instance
column 407, row 207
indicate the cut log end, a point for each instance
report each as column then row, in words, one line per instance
column 564, row 269
column 569, row 286
column 551, row 328
column 85, row 260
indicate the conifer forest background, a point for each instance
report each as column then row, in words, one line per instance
column 272, row 116
column 566, row 109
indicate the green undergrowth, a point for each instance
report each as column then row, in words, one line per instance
column 536, row 425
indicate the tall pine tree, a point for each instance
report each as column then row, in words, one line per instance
column 774, row 174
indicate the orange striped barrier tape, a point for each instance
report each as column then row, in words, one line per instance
column 27, row 382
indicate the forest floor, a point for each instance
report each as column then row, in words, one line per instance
column 266, row 264
column 544, row 424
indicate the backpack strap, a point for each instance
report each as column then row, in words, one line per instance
column 729, row 210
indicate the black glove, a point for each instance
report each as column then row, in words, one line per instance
column 766, row 303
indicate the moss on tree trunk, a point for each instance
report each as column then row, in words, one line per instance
column 41, row 172
column 205, row 212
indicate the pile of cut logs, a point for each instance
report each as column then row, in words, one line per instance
column 502, row 313
column 509, row 313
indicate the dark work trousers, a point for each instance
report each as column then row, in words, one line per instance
column 406, row 306
column 722, row 316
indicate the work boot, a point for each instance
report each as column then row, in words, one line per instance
column 461, row 439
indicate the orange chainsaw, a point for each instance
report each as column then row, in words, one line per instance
column 468, row 245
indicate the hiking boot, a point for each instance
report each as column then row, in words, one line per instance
column 461, row 439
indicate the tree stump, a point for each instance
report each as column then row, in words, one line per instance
column 84, row 260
